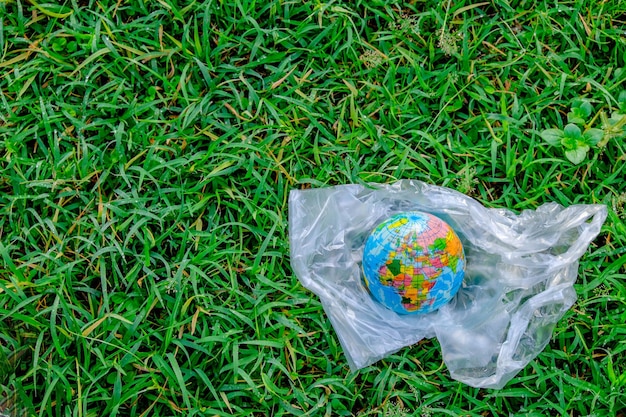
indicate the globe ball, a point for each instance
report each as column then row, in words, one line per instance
column 413, row 263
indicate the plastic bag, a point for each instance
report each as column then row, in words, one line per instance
column 518, row 282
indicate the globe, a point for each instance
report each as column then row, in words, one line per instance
column 413, row 263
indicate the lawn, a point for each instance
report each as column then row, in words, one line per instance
column 147, row 151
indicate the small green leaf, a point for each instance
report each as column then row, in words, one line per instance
column 622, row 102
column 581, row 110
column 454, row 106
column 72, row 47
column 584, row 105
column 58, row 44
column 569, row 143
column 593, row 136
column 576, row 156
column 572, row 131
column 151, row 93
column 586, row 108
column 575, row 117
column 552, row 136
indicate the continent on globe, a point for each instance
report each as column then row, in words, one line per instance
column 413, row 262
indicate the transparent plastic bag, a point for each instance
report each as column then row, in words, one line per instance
column 518, row 282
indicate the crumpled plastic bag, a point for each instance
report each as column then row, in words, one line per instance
column 519, row 278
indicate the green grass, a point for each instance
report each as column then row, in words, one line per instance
column 147, row 149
